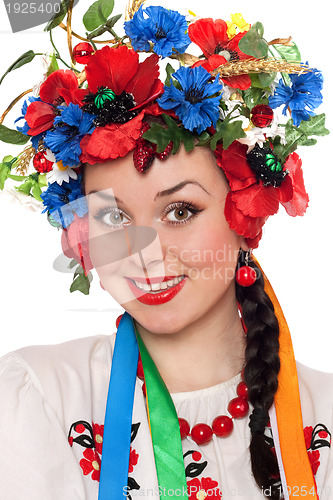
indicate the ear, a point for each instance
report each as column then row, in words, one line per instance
column 243, row 245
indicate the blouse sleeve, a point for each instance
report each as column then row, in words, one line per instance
column 36, row 462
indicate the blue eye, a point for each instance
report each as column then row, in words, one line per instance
column 112, row 218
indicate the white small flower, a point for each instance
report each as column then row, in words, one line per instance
column 25, row 199
column 59, row 172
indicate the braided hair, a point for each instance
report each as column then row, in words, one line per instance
column 261, row 376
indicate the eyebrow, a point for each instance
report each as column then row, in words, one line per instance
column 104, row 196
column 178, row 187
column 160, row 194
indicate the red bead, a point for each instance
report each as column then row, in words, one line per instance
column 80, row 428
column 246, row 276
column 118, row 321
column 242, row 390
column 139, row 372
column 201, row 433
column 82, row 52
column 222, row 426
column 196, row 456
column 323, row 434
column 41, row 163
column 262, row 115
column 238, row 407
column 184, row 428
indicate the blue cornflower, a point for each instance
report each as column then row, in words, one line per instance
column 167, row 29
column 25, row 127
column 68, row 130
column 63, row 201
column 302, row 97
column 194, row 103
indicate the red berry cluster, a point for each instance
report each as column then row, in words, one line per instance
column 145, row 152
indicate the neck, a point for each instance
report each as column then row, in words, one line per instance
column 205, row 353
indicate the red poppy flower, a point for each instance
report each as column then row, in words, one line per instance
column 98, row 431
column 75, row 242
column 133, row 459
column 60, row 86
column 203, row 488
column 119, row 70
column 212, row 38
column 91, row 463
column 249, row 202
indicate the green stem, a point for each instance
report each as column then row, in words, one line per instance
column 58, row 55
column 113, row 33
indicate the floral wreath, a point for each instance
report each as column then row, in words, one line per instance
column 251, row 101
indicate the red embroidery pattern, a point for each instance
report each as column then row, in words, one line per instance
column 315, row 438
column 91, row 463
column 90, row 437
column 199, row 489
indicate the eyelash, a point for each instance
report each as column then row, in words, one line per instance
column 180, row 204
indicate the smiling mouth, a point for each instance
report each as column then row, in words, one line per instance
column 155, row 287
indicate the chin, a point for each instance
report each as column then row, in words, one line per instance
column 155, row 320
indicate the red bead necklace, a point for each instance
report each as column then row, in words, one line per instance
column 222, row 425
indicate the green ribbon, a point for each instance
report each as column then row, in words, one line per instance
column 164, row 429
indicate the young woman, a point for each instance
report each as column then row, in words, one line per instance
column 198, row 394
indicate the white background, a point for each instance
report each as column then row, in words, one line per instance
column 296, row 253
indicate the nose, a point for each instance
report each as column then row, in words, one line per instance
column 145, row 247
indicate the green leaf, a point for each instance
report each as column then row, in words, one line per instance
column 266, row 79
column 314, row 126
column 289, row 53
column 161, row 136
column 36, row 191
column 42, row 180
column 23, row 59
column 302, row 135
column 4, row 172
column 113, row 20
column 25, row 187
column 253, row 43
column 97, row 14
column 81, row 282
column 254, row 95
column 228, row 131
column 58, row 17
column 53, row 66
column 169, row 71
column 12, row 136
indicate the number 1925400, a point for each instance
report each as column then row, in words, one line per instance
column 33, row 8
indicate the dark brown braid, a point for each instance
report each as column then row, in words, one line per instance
column 260, row 374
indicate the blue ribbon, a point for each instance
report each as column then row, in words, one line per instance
column 118, row 414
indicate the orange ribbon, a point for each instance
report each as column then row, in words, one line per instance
column 297, row 468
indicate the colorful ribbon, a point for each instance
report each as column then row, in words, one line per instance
column 297, row 468
column 118, row 415
column 164, row 429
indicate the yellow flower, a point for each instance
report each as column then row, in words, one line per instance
column 237, row 25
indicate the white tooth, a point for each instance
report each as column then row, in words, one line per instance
column 164, row 285
column 170, row 283
column 156, row 286
column 146, row 287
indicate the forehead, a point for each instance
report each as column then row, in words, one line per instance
column 199, row 165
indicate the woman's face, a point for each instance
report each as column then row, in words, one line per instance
column 159, row 241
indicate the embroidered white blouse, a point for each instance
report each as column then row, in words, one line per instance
column 52, row 404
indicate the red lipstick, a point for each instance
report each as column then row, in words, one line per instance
column 155, row 298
